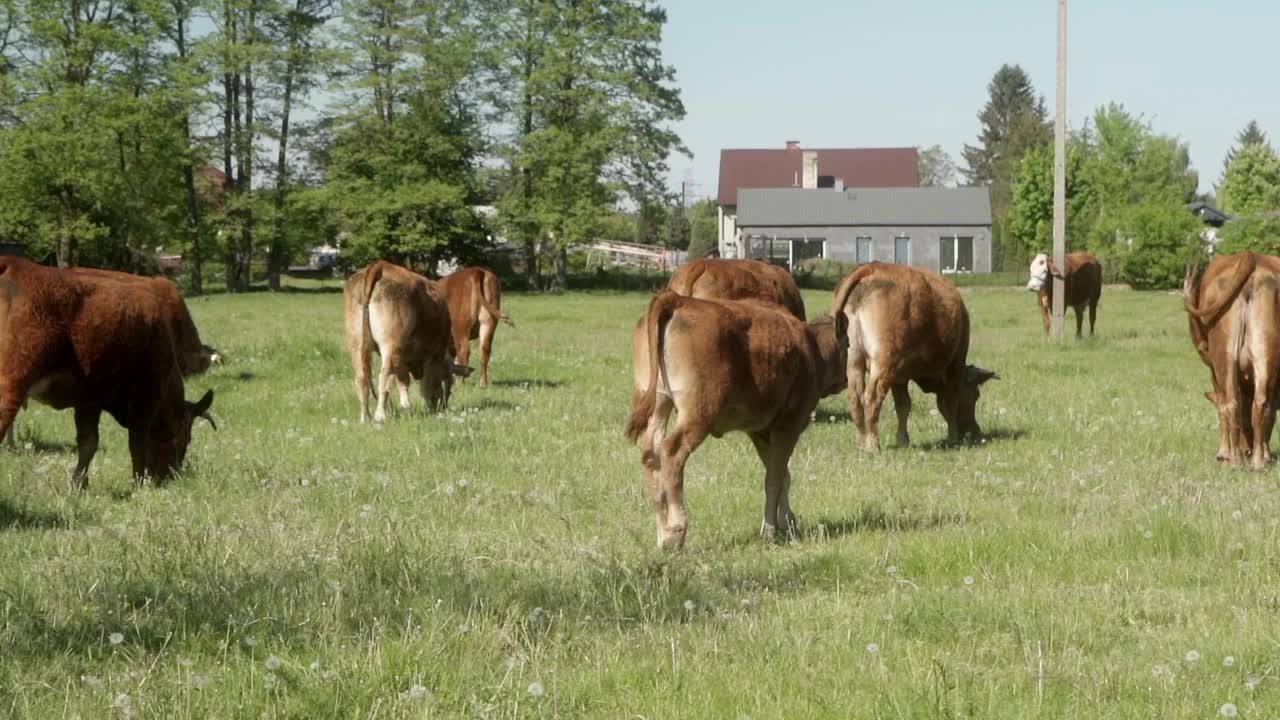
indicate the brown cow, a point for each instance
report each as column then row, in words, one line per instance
column 1083, row 285
column 907, row 324
column 403, row 316
column 716, row 279
column 71, row 341
column 475, row 299
column 1234, row 320
column 194, row 357
column 724, row 366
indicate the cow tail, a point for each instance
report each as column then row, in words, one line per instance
column 644, row 403
column 372, row 275
column 1210, row 315
column 846, row 287
column 491, row 298
column 1235, row 343
column 1190, row 299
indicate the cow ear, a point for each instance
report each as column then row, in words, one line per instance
column 977, row 376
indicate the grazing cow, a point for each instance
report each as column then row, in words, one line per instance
column 194, row 357
column 724, row 366
column 72, row 341
column 474, row 296
column 907, row 324
column 1234, row 317
column 1083, row 284
column 716, row 279
column 403, row 316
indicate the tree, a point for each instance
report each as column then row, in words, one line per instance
column 1252, row 181
column 936, row 167
column 1014, row 120
column 1250, row 134
column 1030, row 220
column 703, row 235
column 1149, row 246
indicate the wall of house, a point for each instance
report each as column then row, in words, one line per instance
column 925, row 250
column 728, row 232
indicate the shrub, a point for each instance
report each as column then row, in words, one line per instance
column 1147, row 246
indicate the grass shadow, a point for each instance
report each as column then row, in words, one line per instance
column 526, row 383
column 827, row 416
column 875, row 519
column 17, row 518
column 994, row 436
column 45, row 447
column 244, row 376
column 486, row 404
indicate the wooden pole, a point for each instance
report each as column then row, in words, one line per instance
column 1060, row 177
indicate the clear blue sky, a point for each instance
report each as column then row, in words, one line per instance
column 861, row 73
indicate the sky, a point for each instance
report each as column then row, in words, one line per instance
column 856, row 73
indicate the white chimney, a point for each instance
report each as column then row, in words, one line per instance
column 809, row 167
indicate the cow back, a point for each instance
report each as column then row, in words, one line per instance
column 719, row 279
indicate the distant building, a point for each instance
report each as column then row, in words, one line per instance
column 796, row 167
column 1213, row 220
column 947, row 230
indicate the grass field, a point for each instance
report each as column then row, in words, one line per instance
column 1090, row 560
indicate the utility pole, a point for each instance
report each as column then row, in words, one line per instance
column 1060, row 179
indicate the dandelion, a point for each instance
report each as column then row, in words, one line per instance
column 1148, row 534
column 536, row 689
column 872, row 648
column 1228, row 661
column 199, row 682
column 1252, row 682
column 1237, row 516
column 314, row 666
column 273, row 662
column 269, row 680
column 891, row 569
column 123, row 704
column 689, row 606
column 1161, row 670
column 536, row 614
column 249, row 641
column 1192, row 656
column 1228, row 710
column 116, row 638
column 968, row 579
column 90, row 681
column 415, row 693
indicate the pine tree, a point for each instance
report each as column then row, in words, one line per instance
column 1250, row 134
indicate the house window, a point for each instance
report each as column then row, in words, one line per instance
column 902, row 250
column 956, row 254
column 863, row 250
column 806, row 249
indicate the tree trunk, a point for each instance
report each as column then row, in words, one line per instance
column 230, row 136
column 562, row 270
column 528, row 229
column 277, row 257
column 246, row 166
column 194, row 229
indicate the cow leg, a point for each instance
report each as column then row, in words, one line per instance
column 651, row 464
column 488, row 324
column 384, row 386
column 137, row 452
column 902, row 405
column 402, row 382
column 360, row 358
column 774, row 449
column 86, row 443
column 1093, row 315
column 11, row 399
column 676, row 448
column 1263, row 414
column 856, row 379
column 1044, row 312
column 10, row 441
column 462, row 343
column 873, row 400
column 1079, row 321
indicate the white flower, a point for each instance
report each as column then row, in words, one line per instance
column 90, row 680
column 1228, row 661
column 417, row 692
column 1161, row 670
column 536, row 614
column 872, row 648
column 250, row 641
column 689, row 606
column 199, row 681
column 273, row 662
column 1252, row 681
column 891, row 569
column 116, row 638
column 1237, row 515
column 1192, row 656
column 1148, row 534
column 269, row 680
column 536, row 689
column 122, row 702
column 1228, row 710
column 968, row 579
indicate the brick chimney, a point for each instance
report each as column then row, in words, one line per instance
column 793, row 144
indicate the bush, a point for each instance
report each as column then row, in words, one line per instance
column 1258, row 233
column 1148, row 246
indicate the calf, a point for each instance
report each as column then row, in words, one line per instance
column 907, row 324
column 1233, row 314
column 725, row 366
column 474, row 296
column 72, row 341
column 1082, row 283
column 715, row 279
column 403, row 316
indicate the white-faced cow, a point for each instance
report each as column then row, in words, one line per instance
column 93, row 344
column 1082, row 283
column 1234, row 319
column 724, row 366
column 474, row 296
column 403, row 316
column 907, row 324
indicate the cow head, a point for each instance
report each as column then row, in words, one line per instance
column 970, row 392
column 171, row 437
column 1039, row 273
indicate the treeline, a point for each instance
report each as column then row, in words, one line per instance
column 1128, row 188
column 240, row 132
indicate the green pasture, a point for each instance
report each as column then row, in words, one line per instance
column 498, row 561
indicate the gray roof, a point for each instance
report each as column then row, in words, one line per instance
column 864, row 206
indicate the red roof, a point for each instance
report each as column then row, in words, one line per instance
column 859, row 167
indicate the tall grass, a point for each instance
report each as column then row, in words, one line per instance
column 1089, row 560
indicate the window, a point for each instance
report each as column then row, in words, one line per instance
column 806, row 249
column 956, row 254
column 902, row 250
column 863, row 250
column 785, row 252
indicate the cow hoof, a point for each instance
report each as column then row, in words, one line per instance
column 671, row 539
